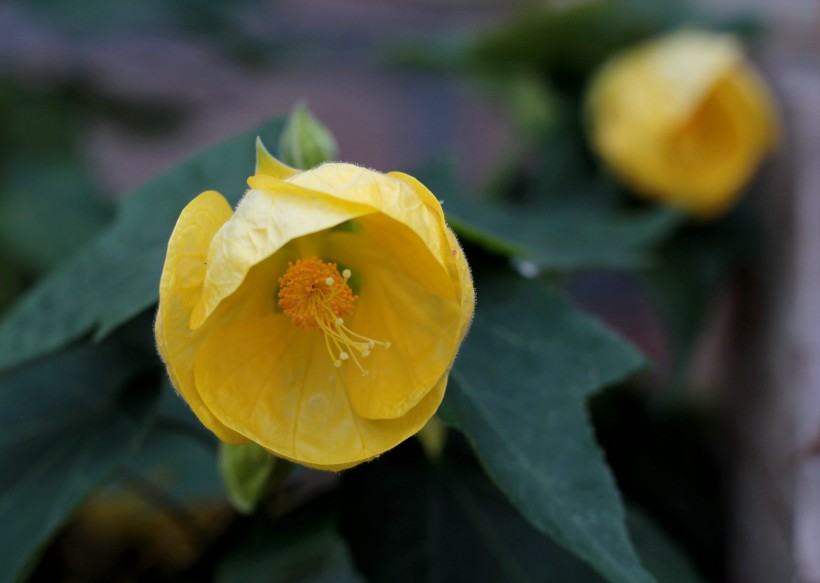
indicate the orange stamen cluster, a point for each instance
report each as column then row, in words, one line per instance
column 315, row 295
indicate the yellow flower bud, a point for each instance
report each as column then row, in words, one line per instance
column 321, row 318
column 683, row 119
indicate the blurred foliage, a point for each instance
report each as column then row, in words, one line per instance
column 61, row 442
column 311, row 551
column 224, row 25
column 50, row 203
column 671, row 460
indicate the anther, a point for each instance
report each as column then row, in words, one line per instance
column 314, row 295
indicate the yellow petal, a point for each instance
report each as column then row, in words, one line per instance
column 423, row 331
column 404, row 298
column 428, row 198
column 658, row 84
column 181, row 280
column 268, row 165
column 264, row 222
column 456, row 261
column 465, row 285
column 752, row 93
column 386, row 194
column 715, row 154
column 274, row 384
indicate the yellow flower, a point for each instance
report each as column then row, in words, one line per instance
column 321, row 318
column 684, row 119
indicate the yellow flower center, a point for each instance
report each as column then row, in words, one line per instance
column 315, row 295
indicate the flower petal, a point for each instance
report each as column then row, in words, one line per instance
column 658, row 85
column 274, row 384
column 404, row 298
column 455, row 260
column 265, row 221
column 716, row 152
column 385, row 193
column 268, row 165
column 181, row 281
column 465, row 285
column 423, row 331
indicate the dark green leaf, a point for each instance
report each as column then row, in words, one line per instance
column 564, row 237
column 116, row 275
column 667, row 458
column 445, row 524
column 179, row 454
column 315, row 555
column 12, row 283
column 660, row 556
column 65, row 425
column 47, row 210
column 449, row 524
column 557, row 235
column 518, row 391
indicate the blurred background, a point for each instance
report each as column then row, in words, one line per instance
column 98, row 96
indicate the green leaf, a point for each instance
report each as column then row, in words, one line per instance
column 116, row 275
column 65, row 424
column 558, row 235
column 248, row 472
column 179, row 454
column 48, row 210
column 664, row 458
column 564, row 237
column 518, row 392
column 659, row 554
column 312, row 555
column 447, row 522
column 12, row 283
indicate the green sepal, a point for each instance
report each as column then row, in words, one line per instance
column 250, row 474
column 306, row 142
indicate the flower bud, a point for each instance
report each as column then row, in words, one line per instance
column 306, row 142
column 249, row 473
column 683, row 119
